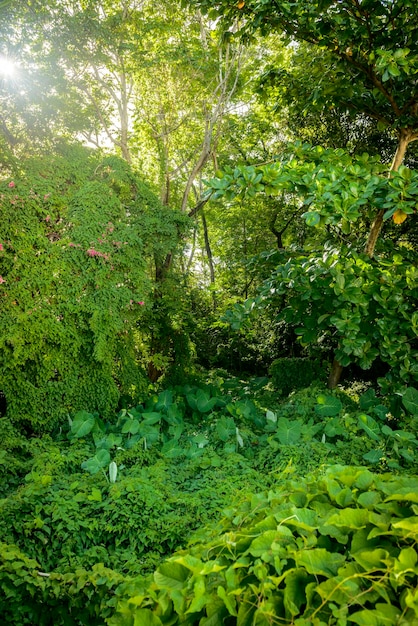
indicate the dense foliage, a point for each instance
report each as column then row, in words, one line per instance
column 192, row 185
column 80, row 235
column 82, row 543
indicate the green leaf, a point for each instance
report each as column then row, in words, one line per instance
column 410, row 400
column 382, row 615
column 96, row 495
column 171, row 575
column 294, row 594
column 165, row 400
column 368, row 400
column 319, row 561
column 328, row 406
column 225, row 427
column 174, row 415
column 312, row 218
column 374, row 456
column 145, row 617
column 270, row 541
column 288, row 431
column 246, row 613
column 338, row 590
column 372, row 559
column 229, row 601
column 204, row 402
column 340, row 280
column 172, row 450
column 370, row 426
column 100, row 460
column 83, row 424
column 130, row 426
column 151, row 418
column 369, row 499
column 201, row 401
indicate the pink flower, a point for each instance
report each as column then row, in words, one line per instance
column 2, row 280
column 71, row 245
column 1, row 247
column 93, row 252
column 47, row 219
column 141, row 303
column 46, row 196
column 12, row 184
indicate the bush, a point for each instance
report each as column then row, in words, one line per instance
column 289, row 374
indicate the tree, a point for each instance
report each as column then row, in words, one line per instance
column 371, row 46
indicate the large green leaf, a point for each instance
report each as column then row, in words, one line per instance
column 109, row 441
column 370, row 426
column 229, row 600
column 294, row 594
column 100, row 460
column 288, row 431
column 328, row 406
column 148, row 432
column 374, row 456
column 410, row 400
column 382, row 615
column 131, row 426
column 201, row 401
column 270, row 541
column 174, row 415
column 172, row 450
column 165, row 400
column 151, row 418
column 82, row 424
column 225, row 427
column 319, row 561
column 171, row 575
column 338, row 590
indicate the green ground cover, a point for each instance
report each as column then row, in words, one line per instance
column 216, row 503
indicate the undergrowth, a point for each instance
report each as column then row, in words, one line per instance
column 201, row 475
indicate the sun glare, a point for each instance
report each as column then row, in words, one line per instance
column 7, row 67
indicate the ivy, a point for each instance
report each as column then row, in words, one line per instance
column 79, row 238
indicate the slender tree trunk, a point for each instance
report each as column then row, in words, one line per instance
column 406, row 135
column 208, row 248
column 209, row 255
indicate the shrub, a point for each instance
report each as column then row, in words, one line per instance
column 289, row 374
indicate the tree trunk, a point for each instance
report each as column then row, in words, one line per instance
column 405, row 137
column 335, row 374
column 209, row 255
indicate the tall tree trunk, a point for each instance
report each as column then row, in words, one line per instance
column 406, row 135
column 209, row 255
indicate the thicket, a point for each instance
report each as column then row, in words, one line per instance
column 80, row 238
